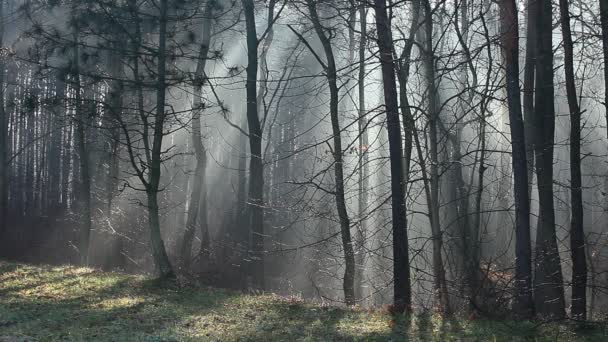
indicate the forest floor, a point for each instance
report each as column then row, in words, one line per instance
column 51, row 303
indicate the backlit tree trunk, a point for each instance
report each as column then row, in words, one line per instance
column 81, row 118
column 363, row 181
column 577, row 235
column 433, row 112
column 158, row 246
column 3, row 134
column 548, row 279
column 523, row 304
column 401, row 265
column 256, row 171
column 528, row 89
column 332, row 75
column 197, row 207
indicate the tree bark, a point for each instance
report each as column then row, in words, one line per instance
column 198, row 195
column 81, row 144
column 604, row 29
column 57, row 112
column 3, row 134
column 256, row 170
column 331, row 73
column 604, row 25
column 469, row 234
column 401, row 264
column 528, row 90
column 523, row 304
column 363, row 181
column 403, row 73
column 161, row 259
column 439, row 283
column 114, row 109
column 577, row 235
column 548, row 280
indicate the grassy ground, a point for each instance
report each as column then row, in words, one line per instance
column 45, row 303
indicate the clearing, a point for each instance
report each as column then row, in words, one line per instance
column 64, row 303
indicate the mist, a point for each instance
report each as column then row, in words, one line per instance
column 88, row 144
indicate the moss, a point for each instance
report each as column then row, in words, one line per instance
column 45, row 303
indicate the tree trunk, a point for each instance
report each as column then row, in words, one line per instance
column 197, row 197
column 403, row 74
column 363, row 181
column 604, row 24
column 472, row 253
column 439, row 283
column 81, row 139
column 528, row 91
column 331, row 72
column 3, row 134
column 241, row 229
column 57, row 111
column 577, row 235
column 523, row 304
column 67, row 160
column 592, row 277
column 409, row 125
column 469, row 234
column 161, row 259
column 548, row 278
column 401, row 264
column 256, row 170
column 159, row 253
column 114, row 109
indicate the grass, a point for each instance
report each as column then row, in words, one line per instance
column 49, row 303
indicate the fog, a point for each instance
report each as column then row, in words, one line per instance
column 303, row 250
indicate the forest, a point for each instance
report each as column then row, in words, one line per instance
column 418, row 157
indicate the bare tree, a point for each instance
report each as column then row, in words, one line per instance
column 523, row 305
column 329, row 67
column 256, row 170
column 433, row 113
column 3, row 130
column 577, row 235
column 604, row 24
column 363, row 181
column 548, row 279
column 197, row 210
column 528, row 87
column 81, row 119
column 401, row 264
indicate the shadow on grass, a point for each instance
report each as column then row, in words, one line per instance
column 51, row 304
column 119, row 309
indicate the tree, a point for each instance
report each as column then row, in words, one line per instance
column 147, row 168
column 81, row 119
column 363, row 181
column 113, row 108
column 158, row 248
column 577, row 235
column 3, row 131
column 604, row 25
column 523, row 305
column 332, row 77
column 401, row 264
column 548, row 280
column 256, row 168
column 469, row 232
column 433, row 117
column 604, row 31
column 197, row 210
column 528, row 87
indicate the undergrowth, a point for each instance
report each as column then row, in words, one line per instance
column 51, row 303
